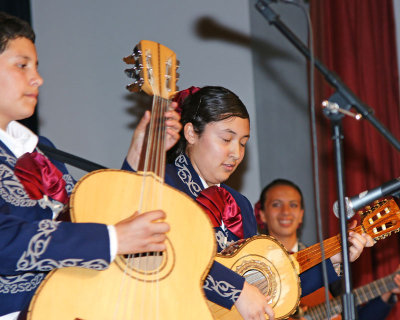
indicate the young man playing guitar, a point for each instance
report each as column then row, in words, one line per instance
column 280, row 212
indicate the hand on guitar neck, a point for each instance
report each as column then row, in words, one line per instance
column 143, row 233
column 358, row 243
column 173, row 126
column 386, row 296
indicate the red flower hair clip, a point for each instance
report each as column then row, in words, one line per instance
column 257, row 213
column 182, row 95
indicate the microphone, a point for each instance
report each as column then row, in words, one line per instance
column 354, row 203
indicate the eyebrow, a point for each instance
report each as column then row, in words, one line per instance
column 21, row 56
column 235, row 133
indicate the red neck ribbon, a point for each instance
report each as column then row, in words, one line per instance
column 40, row 177
column 220, row 206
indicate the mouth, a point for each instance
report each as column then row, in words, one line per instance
column 285, row 222
column 31, row 95
column 229, row 167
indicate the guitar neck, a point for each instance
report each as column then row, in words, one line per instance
column 153, row 155
column 362, row 295
column 311, row 256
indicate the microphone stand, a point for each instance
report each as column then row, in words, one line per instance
column 345, row 99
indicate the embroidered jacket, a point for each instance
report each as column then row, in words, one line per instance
column 32, row 244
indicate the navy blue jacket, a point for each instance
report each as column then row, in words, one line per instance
column 32, row 243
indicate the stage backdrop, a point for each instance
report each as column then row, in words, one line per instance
column 357, row 40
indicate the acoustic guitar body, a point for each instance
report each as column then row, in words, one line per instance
column 152, row 286
column 265, row 263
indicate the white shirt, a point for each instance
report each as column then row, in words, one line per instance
column 18, row 138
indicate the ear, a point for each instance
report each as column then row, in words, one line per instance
column 190, row 134
column 262, row 217
column 301, row 216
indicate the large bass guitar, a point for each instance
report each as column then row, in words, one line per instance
column 152, row 285
column 265, row 263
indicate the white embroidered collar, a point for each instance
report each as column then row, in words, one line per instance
column 18, row 138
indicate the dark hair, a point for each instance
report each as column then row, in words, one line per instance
column 12, row 28
column 209, row 104
column 280, row 182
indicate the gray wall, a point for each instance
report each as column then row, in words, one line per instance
column 84, row 106
column 282, row 106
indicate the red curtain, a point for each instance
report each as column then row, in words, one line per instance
column 356, row 39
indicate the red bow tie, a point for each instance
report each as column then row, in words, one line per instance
column 222, row 207
column 40, row 177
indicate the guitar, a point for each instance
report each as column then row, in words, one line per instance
column 362, row 295
column 265, row 263
column 152, row 285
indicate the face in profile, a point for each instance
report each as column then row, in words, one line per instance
column 282, row 211
column 19, row 81
column 218, row 150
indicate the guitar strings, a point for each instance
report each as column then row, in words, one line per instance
column 155, row 162
column 308, row 256
column 138, row 261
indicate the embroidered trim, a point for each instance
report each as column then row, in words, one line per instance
column 21, row 283
column 9, row 158
column 70, row 183
column 222, row 288
column 222, row 239
column 55, row 206
column 11, row 190
column 30, row 259
column 185, row 175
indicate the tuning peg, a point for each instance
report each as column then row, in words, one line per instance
column 138, row 65
column 136, row 86
column 177, row 75
column 178, row 64
column 129, row 59
column 132, row 72
column 367, row 208
column 137, row 52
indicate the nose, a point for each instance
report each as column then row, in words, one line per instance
column 36, row 79
column 286, row 208
column 235, row 151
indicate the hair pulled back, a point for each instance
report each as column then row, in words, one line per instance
column 209, row 104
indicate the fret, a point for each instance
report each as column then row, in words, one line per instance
column 362, row 295
column 385, row 286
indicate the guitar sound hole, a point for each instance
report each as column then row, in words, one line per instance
column 258, row 279
column 145, row 262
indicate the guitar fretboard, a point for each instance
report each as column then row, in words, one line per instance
column 362, row 295
column 311, row 256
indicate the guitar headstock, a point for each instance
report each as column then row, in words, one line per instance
column 381, row 220
column 154, row 69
